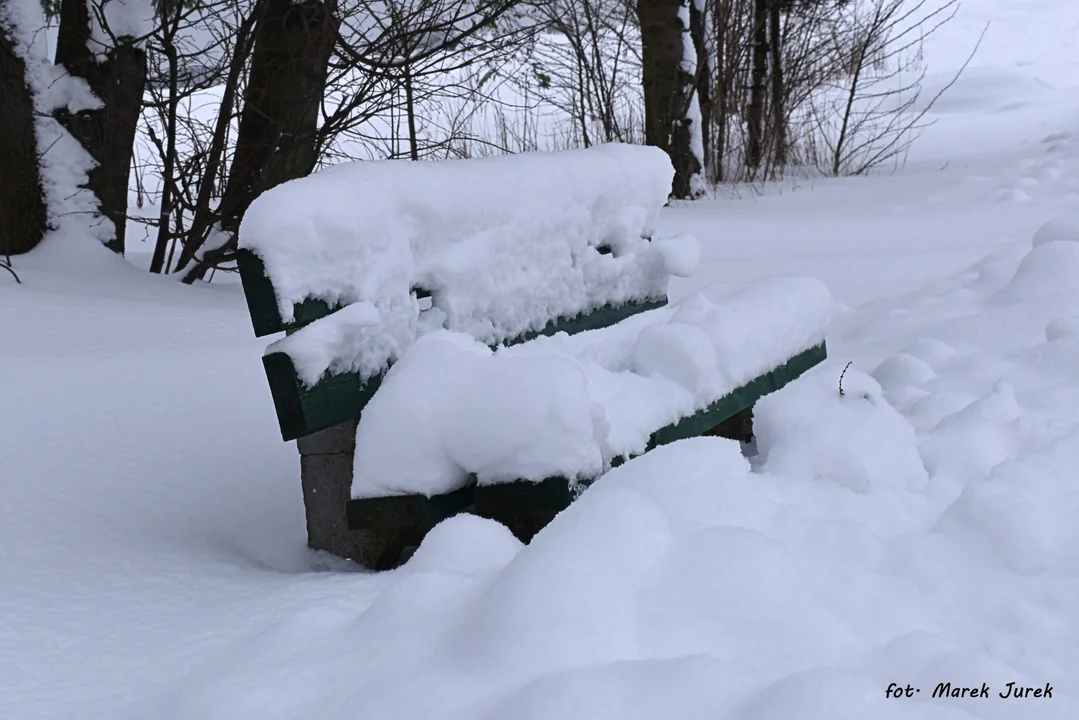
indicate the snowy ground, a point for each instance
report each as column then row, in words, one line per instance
column 918, row 530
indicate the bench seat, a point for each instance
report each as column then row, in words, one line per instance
column 453, row 414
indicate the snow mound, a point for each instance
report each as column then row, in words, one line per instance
column 971, row 441
column 463, row 545
column 568, row 405
column 998, row 510
column 1063, row 328
column 1061, row 229
column 903, row 370
column 1049, row 269
column 856, row 439
column 564, row 596
column 502, row 244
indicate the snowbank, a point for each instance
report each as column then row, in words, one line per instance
column 503, row 244
column 855, row 439
column 567, row 405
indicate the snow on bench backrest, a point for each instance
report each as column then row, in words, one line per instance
column 503, row 244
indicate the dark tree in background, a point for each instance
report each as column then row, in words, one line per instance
column 668, row 88
column 22, row 204
column 758, row 71
column 277, row 139
column 779, row 113
column 108, row 133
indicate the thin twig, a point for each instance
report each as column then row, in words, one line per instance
column 6, row 264
column 841, row 375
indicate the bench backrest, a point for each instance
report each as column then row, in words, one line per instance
column 356, row 261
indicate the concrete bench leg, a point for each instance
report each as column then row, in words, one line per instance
column 326, row 477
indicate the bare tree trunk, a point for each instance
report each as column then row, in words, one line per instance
column 755, row 111
column 410, row 109
column 23, row 214
column 277, row 138
column 107, row 134
column 214, row 174
column 779, row 119
column 668, row 88
column 721, row 10
column 169, row 27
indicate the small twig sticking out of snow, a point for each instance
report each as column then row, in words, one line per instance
column 841, row 393
column 6, row 264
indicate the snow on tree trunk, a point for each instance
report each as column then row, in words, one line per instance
column 61, row 165
column 115, row 70
column 672, row 111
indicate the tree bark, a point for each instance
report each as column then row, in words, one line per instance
column 698, row 30
column 23, row 214
column 410, row 109
column 668, row 88
column 108, row 134
column 168, row 30
column 779, row 117
column 277, row 138
column 758, row 70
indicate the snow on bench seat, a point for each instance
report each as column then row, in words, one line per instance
column 503, row 245
column 567, row 406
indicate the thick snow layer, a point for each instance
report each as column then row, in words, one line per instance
column 567, row 405
column 357, row 338
column 503, row 244
column 853, row 439
column 451, row 406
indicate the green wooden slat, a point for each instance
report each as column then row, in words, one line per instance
column 336, row 399
column 593, row 320
column 740, row 399
column 266, row 317
column 506, row 498
column 402, row 511
column 553, row 495
column 301, row 410
column 525, row 507
column 262, row 301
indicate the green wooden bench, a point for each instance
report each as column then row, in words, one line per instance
column 322, row 416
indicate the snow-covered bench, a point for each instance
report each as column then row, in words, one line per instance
column 394, row 280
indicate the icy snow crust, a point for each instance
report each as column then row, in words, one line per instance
column 565, row 406
column 503, row 244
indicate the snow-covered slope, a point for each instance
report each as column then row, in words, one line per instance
column 920, row 529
